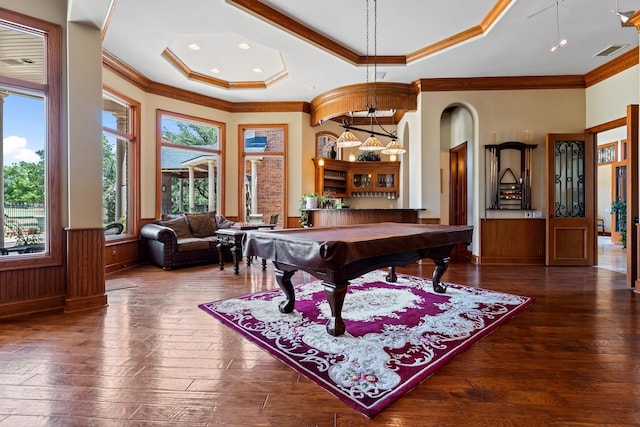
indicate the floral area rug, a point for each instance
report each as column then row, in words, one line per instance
column 397, row 335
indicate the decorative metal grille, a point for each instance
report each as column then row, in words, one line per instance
column 569, row 179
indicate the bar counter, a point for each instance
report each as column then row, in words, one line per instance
column 333, row 217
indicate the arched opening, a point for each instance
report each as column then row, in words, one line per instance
column 457, row 147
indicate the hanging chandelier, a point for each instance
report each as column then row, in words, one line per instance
column 372, row 143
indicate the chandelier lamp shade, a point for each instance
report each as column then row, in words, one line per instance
column 372, row 143
column 393, row 147
column 347, row 140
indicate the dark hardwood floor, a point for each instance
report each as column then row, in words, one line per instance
column 153, row 358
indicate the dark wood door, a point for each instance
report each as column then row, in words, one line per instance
column 571, row 207
column 458, row 193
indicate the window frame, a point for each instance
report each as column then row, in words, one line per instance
column 220, row 151
column 242, row 155
column 133, row 139
column 51, row 92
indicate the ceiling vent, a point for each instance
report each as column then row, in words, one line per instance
column 610, row 50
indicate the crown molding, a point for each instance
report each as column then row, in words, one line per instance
column 295, row 28
column 613, row 67
column 501, row 83
column 143, row 83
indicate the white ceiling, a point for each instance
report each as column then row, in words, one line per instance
column 139, row 31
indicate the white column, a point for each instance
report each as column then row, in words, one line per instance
column 254, row 186
column 180, row 194
column 192, row 189
column 3, row 95
column 212, row 183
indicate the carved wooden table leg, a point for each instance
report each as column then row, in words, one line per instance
column 220, row 247
column 284, row 281
column 236, row 249
column 391, row 277
column 441, row 266
column 335, row 294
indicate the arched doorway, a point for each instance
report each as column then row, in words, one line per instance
column 457, row 132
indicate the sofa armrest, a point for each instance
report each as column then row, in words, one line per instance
column 159, row 232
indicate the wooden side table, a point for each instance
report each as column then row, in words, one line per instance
column 232, row 239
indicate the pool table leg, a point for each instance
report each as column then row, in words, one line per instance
column 335, row 296
column 284, row 281
column 441, row 266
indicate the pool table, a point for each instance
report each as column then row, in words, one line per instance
column 338, row 254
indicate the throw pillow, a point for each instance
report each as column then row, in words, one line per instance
column 167, row 217
column 179, row 225
column 224, row 222
column 202, row 224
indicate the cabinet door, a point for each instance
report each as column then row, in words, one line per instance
column 385, row 181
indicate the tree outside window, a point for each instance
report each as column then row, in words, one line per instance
column 190, row 164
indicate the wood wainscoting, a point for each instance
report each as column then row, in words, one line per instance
column 334, row 217
column 122, row 255
column 512, row 241
column 31, row 290
column 85, row 269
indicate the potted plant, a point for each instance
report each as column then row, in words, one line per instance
column 368, row 156
column 619, row 208
column 307, row 201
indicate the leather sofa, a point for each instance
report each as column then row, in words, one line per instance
column 184, row 239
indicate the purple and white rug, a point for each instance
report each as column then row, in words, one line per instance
column 397, row 335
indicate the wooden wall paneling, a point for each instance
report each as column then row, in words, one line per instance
column 293, row 222
column 333, row 217
column 512, row 241
column 31, row 290
column 122, row 255
column 85, row 269
column 429, row 220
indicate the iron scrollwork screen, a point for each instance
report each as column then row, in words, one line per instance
column 569, row 179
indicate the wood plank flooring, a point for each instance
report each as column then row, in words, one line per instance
column 152, row 358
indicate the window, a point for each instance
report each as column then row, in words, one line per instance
column 30, row 216
column 190, row 164
column 263, row 175
column 119, row 165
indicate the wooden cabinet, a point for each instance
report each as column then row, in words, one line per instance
column 357, row 179
column 331, row 176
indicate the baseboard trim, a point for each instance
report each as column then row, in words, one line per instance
column 40, row 305
column 93, row 302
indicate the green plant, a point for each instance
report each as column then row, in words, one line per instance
column 368, row 156
column 619, row 208
column 304, row 215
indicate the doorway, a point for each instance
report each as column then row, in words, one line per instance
column 624, row 130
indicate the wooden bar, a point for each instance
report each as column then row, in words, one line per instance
column 333, row 217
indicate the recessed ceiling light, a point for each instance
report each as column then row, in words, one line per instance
column 215, row 71
column 194, row 46
column 312, row 87
column 257, row 70
column 244, row 46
